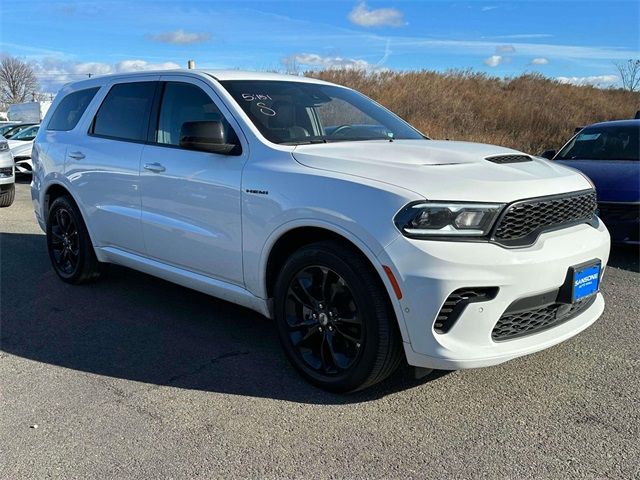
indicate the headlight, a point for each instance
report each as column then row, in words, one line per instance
column 4, row 146
column 6, row 172
column 438, row 219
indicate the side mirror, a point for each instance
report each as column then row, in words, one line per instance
column 548, row 154
column 210, row 136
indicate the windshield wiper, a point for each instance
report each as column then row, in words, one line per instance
column 358, row 139
column 305, row 142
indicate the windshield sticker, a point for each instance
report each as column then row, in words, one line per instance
column 585, row 137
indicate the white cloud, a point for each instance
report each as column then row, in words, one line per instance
column 361, row 15
column 594, row 80
column 539, row 61
column 139, row 65
column 494, row 60
column 52, row 72
column 505, row 49
column 488, row 8
column 550, row 51
column 179, row 37
column 315, row 60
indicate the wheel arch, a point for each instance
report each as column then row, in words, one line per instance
column 56, row 189
column 287, row 241
column 53, row 191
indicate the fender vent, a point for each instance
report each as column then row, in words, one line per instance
column 502, row 159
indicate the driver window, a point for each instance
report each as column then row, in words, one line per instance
column 183, row 102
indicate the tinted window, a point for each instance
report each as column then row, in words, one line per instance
column 5, row 128
column 124, row 113
column 183, row 102
column 15, row 130
column 299, row 112
column 604, row 143
column 70, row 109
column 27, row 134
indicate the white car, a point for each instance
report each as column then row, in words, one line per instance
column 21, row 145
column 365, row 241
column 7, row 174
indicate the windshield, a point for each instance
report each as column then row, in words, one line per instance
column 27, row 134
column 296, row 113
column 603, row 143
column 15, row 130
column 5, row 128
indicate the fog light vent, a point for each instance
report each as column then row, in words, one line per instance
column 455, row 304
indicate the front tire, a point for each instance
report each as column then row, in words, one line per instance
column 334, row 318
column 70, row 249
column 7, row 197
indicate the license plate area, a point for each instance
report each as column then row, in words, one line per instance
column 585, row 280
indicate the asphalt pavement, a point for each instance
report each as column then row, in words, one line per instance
column 134, row 377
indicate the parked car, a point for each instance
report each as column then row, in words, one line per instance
column 7, row 174
column 32, row 112
column 9, row 130
column 311, row 204
column 21, row 145
column 609, row 154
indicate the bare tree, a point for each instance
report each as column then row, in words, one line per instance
column 291, row 66
column 630, row 74
column 18, row 82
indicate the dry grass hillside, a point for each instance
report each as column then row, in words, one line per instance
column 529, row 112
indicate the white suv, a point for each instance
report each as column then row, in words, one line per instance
column 308, row 202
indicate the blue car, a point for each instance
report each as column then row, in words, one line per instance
column 609, row 154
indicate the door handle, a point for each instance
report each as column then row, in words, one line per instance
column 76, row 155
column 154, row 167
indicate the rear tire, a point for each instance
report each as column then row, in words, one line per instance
column 334, row 318
column 6, row 198
column 70, row 249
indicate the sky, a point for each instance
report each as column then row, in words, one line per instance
column 573, row 41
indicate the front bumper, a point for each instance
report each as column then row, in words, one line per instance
column 429, row 271
column 622, row 220
column 6, row 161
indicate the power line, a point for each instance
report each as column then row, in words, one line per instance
column 63, row 74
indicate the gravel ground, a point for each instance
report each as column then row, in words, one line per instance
column 134, row 377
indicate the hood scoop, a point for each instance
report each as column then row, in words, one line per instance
column 504, row 159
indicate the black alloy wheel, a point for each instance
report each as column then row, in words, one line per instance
column 70, row 249
column 322, row 317
column 334, row 318
column 65, row 242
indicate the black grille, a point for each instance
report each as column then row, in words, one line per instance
column 523, row 221
column 455, row 304
column 501, row 159
column 527, row 322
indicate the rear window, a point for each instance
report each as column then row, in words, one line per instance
column 70, row 110
column 124, row 113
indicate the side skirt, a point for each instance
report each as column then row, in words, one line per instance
column 211, row 286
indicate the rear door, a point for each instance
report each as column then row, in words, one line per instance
column 104, row 164
column 191, row 199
